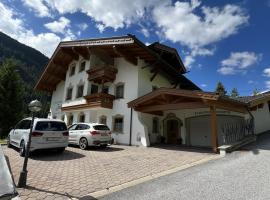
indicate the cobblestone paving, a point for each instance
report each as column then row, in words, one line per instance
column 76, row 173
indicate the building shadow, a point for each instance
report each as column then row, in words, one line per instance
column 52, row 155
column 97, row 148
column 262, row 143
column 171, row 147
column 67, row 195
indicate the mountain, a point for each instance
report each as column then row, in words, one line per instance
column 29, row 63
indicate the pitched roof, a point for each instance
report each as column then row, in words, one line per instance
column 255, row 98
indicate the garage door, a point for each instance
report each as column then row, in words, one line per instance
column 199, row 129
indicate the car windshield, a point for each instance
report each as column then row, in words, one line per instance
column 50, row 126
column 101, row 128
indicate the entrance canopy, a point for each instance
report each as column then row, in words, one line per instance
column 164, row 99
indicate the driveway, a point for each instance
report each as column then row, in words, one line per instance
column 76, row 173
column 242, row 175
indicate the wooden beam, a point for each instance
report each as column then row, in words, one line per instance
column 102, row 55
column 177, row 106
column 128, row 57
column 214, row 137
column 70, row 53
column 227, row 106
column 83, row 51
column 154, row 75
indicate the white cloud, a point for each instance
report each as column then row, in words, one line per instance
column 203, row 85
column 38, row 6
column 250, row 82
column 182, row 23
column 145, row 32
column 115, row 14
column 267, row 85
column 13, row 26
column 188, row 61
column 266, row 72
column 238, row 62
column 82, row 26
column 100, row 27
column 58, row 26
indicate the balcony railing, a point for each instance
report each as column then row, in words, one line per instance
column 100, row 100
column 102, row 74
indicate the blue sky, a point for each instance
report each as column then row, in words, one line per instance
column 225, row 41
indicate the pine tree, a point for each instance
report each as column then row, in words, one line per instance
column 234, row 92
column 256, row 92
column 220, row 89
column 11, row 97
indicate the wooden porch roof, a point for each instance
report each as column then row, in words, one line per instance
column 164, row 99
column 128, row 47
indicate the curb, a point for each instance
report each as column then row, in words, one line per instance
column 116, row 188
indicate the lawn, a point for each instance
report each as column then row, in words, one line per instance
column 3, row 141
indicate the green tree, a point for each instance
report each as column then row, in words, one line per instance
column 255, row 92
column 234, row 92
column 11, row 96
column 220, row 89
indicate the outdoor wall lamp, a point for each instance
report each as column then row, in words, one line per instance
column 34, row 106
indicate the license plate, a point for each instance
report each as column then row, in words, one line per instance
column 52, row 139
column 103, row 134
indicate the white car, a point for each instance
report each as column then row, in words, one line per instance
column 46, row 134
column 89, row 134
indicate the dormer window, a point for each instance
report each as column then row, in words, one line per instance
column 82, row 66
column 72, row 70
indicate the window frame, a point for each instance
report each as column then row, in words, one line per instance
column 71, row 71
column 116, row 88
column 67, row 94
column 114, row 123
column 77, row 95
column 96, row 87
column 80, row 67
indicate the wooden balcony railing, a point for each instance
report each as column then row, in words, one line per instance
column 102, row 74
column 100, row 100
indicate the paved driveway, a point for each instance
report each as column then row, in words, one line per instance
column 76, row 173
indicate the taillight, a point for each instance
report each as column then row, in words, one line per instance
column 94, row 133
column 36, row 134
column 65, row 133
column 110, row 132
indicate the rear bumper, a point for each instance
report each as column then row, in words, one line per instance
column 98, row 142
column 54, row 145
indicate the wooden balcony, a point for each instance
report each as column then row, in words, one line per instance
column 102, row 74
column 100, row 100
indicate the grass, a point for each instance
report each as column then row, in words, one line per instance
column 3, row 141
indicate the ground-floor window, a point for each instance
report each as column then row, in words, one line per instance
column 103, row 119
column 82, row 117
column 70, row 120
column 155, row 125
column 118, row 124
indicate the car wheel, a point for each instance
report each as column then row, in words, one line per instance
column 61, row 150
column 22, row 149
column 83, row 143
column 8, row 142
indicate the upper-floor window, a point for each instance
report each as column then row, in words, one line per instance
column 94, row 89
column 69, row 93
column 72, row 70
column 119, row 91
column 82, row 66
column 105, row 90
column 80, row 91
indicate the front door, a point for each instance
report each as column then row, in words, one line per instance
column 172, row 131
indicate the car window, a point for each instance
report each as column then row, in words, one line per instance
column 50, row 126
column 101, row 127
column 24, row 124
column 73, row 127
column 82, row 127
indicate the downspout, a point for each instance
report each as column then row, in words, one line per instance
column 252, row 118
column 130, row 126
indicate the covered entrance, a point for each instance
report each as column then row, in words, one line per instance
column 164, row 100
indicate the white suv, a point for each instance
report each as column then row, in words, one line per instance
column 89, row 134
column 46, row 134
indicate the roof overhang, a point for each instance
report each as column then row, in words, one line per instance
column 128, row 47
column 164, row 99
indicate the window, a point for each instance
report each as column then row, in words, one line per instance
column 63, row 118
column 69, row 94
column 50, row 126
column 103, row 120
column 101, row 128
column 82, row 127
column 118, row 124
column 260, row 106
column 81, row 117
column 82, row 66
column 72, row 70
column 119, row 91
column 155, row 125
column 94, row 89
column 105, row 90
column 73, row 127
column 70, row 120
column 80, row 91
column 25, row 124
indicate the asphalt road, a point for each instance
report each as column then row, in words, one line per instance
column 244, row 174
